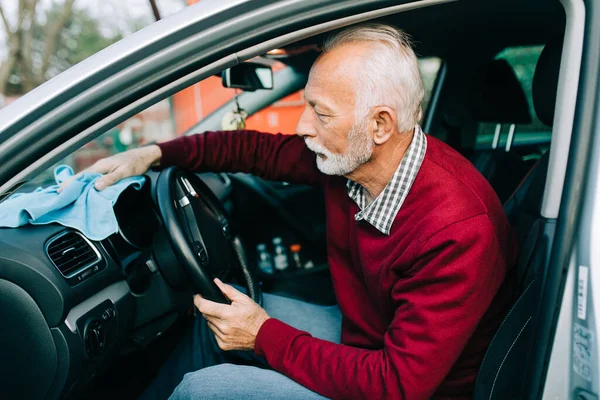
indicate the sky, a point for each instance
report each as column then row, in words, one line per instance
column 122, row 11
column 115, row 13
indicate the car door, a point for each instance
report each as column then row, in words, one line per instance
column 565, row 358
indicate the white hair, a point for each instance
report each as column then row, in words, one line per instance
column 391, row 73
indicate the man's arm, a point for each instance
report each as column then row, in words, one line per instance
column 272, row 157
column 438, row 308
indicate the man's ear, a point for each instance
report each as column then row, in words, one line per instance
column 384, row 124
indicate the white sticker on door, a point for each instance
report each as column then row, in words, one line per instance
column 583, row 347
column 582, row 291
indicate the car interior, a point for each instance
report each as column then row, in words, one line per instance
column 100, row 324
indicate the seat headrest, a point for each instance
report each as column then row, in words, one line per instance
column 545, row 80
column 498, row 95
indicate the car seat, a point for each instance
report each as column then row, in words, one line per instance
column 502, row 372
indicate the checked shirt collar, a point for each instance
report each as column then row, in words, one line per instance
column 383, row 210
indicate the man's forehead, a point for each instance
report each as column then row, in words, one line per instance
column 317, row 93
column 323, row 94
column 333, row 77
column 337, row 66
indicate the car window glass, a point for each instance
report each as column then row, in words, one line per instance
column 535, row 135
column 162, row 121
column 175, row 115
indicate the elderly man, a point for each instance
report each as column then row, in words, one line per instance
column 419, row 247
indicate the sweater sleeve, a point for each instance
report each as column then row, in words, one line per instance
column 438, row 306
column 272, row 157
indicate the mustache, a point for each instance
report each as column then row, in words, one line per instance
column 316, row 148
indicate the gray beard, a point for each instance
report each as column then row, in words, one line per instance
column 358, row 152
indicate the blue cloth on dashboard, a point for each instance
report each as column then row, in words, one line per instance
column 79, row 205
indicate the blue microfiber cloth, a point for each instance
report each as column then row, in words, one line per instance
column 79, row 205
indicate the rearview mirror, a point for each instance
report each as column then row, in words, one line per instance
column 248, row 76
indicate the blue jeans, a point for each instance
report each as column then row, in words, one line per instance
column 199, row 369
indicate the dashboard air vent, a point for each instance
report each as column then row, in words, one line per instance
column 71, row 252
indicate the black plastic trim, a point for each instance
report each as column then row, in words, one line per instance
column 81, row 273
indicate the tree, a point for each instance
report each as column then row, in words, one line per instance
column 20, row 41
column 44, row 43
column 155, row 10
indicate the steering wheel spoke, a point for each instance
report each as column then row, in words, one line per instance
column 201, row 235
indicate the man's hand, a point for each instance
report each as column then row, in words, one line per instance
column 122, row 165
column 236, row 325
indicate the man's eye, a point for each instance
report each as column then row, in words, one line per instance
column 321, row 116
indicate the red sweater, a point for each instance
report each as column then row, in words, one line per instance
column 419, row 306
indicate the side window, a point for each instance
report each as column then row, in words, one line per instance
column 533, row 138
column 160, row 122
column 154, row 124
column 174, row 116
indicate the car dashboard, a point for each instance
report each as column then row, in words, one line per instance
column 70, row 305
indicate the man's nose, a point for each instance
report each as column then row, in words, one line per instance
column 305, row 127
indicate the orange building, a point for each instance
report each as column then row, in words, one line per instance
column 197, row 101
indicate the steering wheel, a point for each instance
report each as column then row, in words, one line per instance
column 200, row 234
